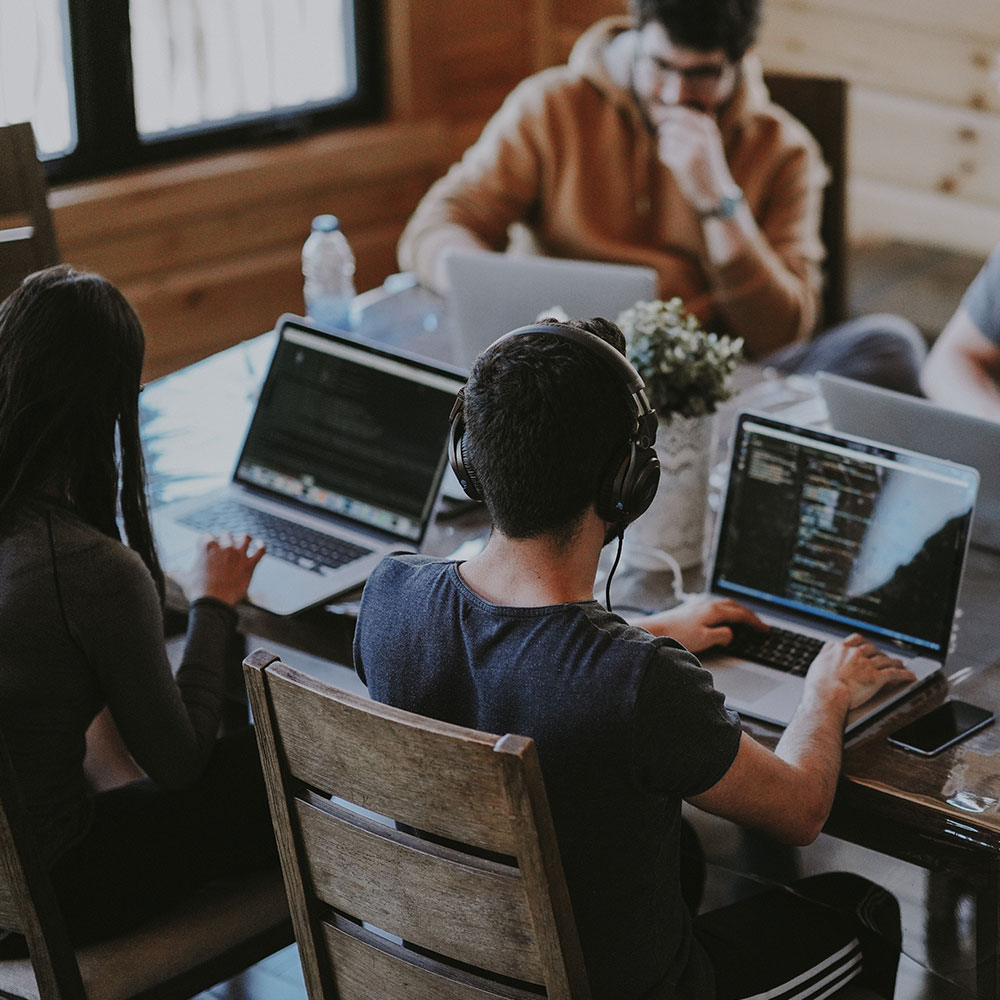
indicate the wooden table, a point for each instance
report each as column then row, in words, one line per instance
column 942, row 813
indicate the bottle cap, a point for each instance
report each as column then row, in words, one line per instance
column 325, row 223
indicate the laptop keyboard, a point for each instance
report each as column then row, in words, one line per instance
column 294, row 543
column 780, row 648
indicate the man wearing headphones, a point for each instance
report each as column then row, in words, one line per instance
column 554, row 434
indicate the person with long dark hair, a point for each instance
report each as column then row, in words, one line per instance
column 81, row 625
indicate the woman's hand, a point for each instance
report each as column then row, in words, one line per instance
column 700, row 624
column 223, row 568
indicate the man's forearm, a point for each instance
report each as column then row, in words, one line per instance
column 760, row 297
column 813, row 745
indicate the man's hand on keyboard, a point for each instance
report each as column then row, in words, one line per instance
column 856, row 667
column 700, row 624
column 224, row 567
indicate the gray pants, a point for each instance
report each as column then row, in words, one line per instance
column 880, row 349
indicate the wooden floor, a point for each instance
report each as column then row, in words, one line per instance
column 924, row 285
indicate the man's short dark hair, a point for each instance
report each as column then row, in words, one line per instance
column 545, row 419
column 730, row 25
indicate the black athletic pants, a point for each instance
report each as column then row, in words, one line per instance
column 148, row 848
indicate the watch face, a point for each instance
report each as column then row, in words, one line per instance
column 729, row 204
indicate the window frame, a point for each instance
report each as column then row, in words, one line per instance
column 103, row 106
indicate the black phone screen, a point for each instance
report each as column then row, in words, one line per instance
column 941, row 727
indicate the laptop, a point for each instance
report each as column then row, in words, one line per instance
column 493, row 293
column 911, row 422
column 823, row 535
column 341, row 464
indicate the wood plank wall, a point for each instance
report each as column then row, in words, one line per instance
column 925, row 109
column 208, row 249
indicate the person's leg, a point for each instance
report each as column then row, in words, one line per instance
column 149, row 848
column 804, row 940
column 880, row 349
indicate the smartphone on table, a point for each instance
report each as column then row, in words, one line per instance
column 941, row 727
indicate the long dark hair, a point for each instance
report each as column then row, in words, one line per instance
column 71, row 351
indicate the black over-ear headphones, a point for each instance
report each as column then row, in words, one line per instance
column 627, row 488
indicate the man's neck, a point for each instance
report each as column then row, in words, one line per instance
column 537, row 572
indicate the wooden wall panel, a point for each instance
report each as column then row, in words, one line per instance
column 925, row 108
column 977, row 19
column 483, row 51
column 576, row 15
column 880, row 208
column 211, row 308
column 896, row 57
column 209, row 251
column 932, row 148
column 209, row 248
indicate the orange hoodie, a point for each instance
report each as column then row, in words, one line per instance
column 568, row 155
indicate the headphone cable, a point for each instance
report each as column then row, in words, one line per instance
column 618, row 555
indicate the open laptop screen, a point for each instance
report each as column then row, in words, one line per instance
column 350, row 429
column 845, row 531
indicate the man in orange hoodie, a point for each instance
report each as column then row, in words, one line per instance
column 658, row 144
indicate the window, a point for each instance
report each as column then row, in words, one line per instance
column 117, row 83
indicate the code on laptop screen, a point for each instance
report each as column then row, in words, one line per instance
column 863, row 535
column 350, row 431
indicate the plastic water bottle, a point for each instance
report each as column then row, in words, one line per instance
column 328, row 269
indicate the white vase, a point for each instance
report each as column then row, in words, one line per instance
column 675, row 521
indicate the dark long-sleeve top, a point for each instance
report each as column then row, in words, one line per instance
column 81, row 627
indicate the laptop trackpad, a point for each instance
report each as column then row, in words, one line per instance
column 742, row 684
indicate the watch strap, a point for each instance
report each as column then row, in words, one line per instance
column 726, row 208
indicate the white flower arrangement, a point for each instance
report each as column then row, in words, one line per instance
column 687, row 371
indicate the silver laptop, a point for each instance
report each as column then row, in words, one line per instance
column 910, row 422
column 823, row 535
column 492, row 293
column 340, row 465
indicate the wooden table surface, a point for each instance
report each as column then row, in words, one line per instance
column 942, row 813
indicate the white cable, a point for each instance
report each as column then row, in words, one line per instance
column 674, row 566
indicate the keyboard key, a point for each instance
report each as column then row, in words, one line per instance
column 780, row 648
column 312, row 550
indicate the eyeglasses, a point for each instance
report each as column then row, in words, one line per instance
column 704, row 78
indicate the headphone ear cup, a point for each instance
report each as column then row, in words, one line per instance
column 464, row 473
column 628, row 490
column 641, row 483
column 470, row 484
column 610, row 504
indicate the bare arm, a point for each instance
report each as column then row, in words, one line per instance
column 789, row 793
column 962, row 368
column 473, row 205
column 700, row 624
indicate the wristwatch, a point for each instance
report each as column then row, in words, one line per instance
column 727, row 206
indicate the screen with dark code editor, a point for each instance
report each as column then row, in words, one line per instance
column 849, row 532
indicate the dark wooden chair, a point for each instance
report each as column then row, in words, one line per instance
column 27, row 238
column 820, row 103
column 476, row 906
column 186, row 951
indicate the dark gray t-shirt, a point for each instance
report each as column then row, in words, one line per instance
column 626, row 727
column 81, row 628
column 982, row 299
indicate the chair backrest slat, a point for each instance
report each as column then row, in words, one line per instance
column 459, row 863
column 821, row 104
column 447, row 903
column 27, row 900
column 27, row 236
column 381, row 757
column 369, row 967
